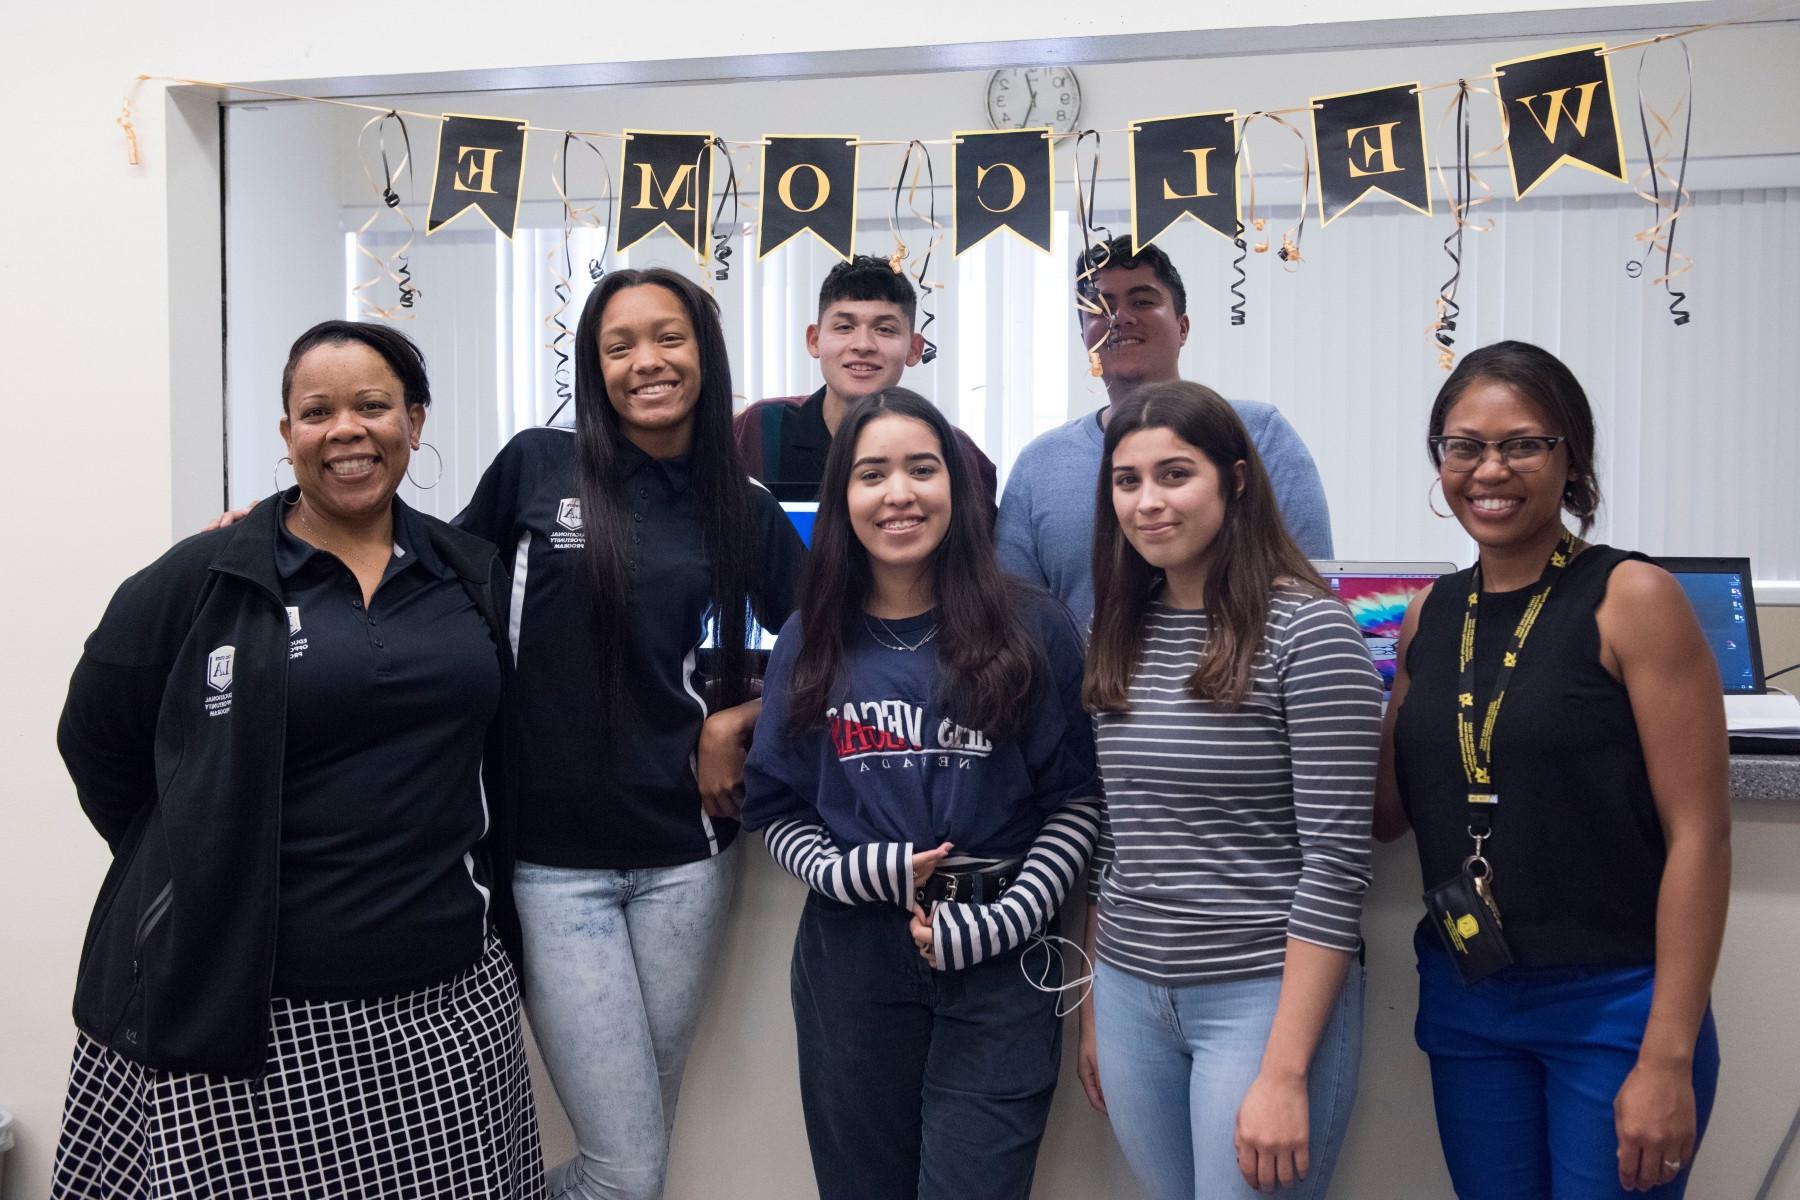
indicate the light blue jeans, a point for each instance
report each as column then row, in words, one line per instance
column 616, row 971
column 1175, row 1063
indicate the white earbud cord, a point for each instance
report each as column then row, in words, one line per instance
column 1042, row 983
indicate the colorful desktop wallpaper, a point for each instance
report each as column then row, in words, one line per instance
column 1379, row 605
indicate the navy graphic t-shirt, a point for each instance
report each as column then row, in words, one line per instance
column 893, row 765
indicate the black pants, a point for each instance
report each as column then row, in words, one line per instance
column 915, row 1082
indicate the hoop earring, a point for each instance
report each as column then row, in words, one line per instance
column 1439, row 484
column 435, row 479
column 280, row 487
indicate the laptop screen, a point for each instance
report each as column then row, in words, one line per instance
column 1378, row 603
column 1720, row 591
column 801, row 513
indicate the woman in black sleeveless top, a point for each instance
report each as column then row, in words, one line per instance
column 1587, row 1067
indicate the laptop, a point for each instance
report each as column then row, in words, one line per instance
column 801, row 514
column 1723, row 599
column 1377, row 594
column 1760, row 719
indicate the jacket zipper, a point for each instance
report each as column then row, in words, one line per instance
column 153, row 915
column 154, row 912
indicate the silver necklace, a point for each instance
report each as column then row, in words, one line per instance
column 350, row 560
column 899, row 643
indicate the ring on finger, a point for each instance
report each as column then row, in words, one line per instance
column 1671, row 1165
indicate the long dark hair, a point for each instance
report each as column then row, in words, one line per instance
column 1546, row 381
column 1251, row 553
column 721, row 490
column 989, row 663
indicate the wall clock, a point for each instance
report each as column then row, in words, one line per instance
column 1022, row 97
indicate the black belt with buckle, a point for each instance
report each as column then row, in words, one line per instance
column 968, row 887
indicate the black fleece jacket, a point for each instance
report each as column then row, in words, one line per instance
column 173, row 732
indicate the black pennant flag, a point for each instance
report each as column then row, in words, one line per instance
column 1559, row 108
column 808, row 185
column 667, row 182
column 1371, row 141
column 1183, row 166
column 1003, row 180
column 479, row 165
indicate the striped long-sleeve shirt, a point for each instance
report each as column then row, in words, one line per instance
column 1230, row 830
column 963, row 934
column 893, row 771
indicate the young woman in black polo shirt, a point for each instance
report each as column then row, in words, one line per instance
column 923, row 725
column 1557, row 743
column 631, row 539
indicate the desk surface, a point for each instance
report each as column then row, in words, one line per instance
column 1765, row 777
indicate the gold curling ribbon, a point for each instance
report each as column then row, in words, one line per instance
column 721, row 242
column 394, row 268
column 897, row 260
column 124, row 119
column 1094, row 255
column 1289, row 253
column 561, row 259
column 1670, row 206
column 1462, row 200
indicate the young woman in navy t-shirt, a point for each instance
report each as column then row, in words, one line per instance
column 923, row 763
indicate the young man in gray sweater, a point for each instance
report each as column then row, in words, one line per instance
column 1046, row 526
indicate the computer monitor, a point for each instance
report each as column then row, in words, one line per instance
column 1377, row 594
column 1723, row 599
column 801, row 513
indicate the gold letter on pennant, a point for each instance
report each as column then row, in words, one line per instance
column 1380, row 148
column 1559, row 105
column 785, row 189
column 647, row 180
column 480, row 174
column 1018, row 186
column 1202, row 187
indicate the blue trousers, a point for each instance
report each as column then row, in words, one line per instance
column 617, row 964
column 1175, row 1063
column 1524, row 1069
column 918, row 1083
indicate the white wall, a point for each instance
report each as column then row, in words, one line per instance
column 111, row 279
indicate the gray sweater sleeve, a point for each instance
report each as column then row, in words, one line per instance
column 1332, row 698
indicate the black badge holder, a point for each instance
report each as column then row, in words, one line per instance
column 1462, row 908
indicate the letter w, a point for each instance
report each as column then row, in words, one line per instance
column 1559, row 104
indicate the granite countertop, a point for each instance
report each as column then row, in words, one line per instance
column 1765, row 777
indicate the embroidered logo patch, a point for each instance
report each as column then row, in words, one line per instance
column 218, row 668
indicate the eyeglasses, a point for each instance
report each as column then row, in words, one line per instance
column 1522, row 454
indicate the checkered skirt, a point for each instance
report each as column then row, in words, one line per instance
column 424, row 1094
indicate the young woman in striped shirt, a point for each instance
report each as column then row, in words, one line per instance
column 1238, row 727
column 923, row 763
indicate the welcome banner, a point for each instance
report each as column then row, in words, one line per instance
column 665, row 183
column 480, row 165
column 1558, row 108
column 1372, row 141
column 1003, row 180
column 808, row 186
column 1183, row 167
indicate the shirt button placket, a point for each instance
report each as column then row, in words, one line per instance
column 637, row 518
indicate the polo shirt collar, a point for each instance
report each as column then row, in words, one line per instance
column 675, row 472
column 411, row 545
column 807, row 426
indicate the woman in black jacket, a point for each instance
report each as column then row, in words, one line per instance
column 292, row 982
